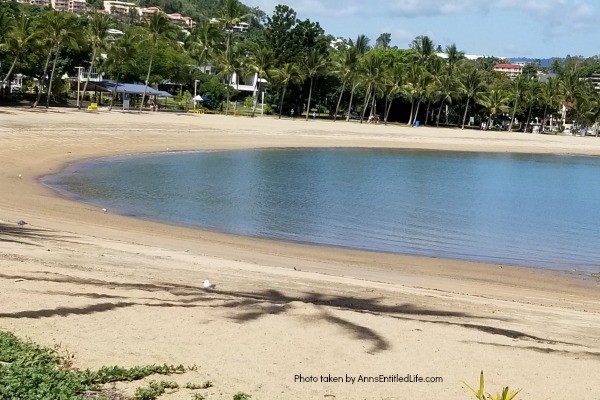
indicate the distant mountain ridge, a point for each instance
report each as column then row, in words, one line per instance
column 544, row 62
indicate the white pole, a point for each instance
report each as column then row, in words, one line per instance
column 195, row 84
column 78, row 84
column 262, row 108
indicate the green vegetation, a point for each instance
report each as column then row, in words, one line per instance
column 242, row 396
column 29, row 371
column 480, row 394
column 294, row 62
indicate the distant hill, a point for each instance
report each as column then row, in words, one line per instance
column 544, row 62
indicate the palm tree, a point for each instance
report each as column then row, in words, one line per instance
column 518, row 88
column 345, row 70
column 286, row 74
column 98, row 33
column 453, row 56
column 435, row 70
column 531, row 98
column 231, row 15
column 424, row 48
column 118, row 54
column 204, row 41
column 372, row 71
column 261, row 61
column 571, row 86
column 496, row 101
column 415, row 89
column 360, row 47
column 229, row 64
column 550, row 97
column 472, row 86
column 444, row 92
column 314, row 64
column 158, row 28
column 393, row 79
column 20, row 37
column 58, row 29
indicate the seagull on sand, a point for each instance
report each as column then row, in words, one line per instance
column 21, row 223
column 208, row 285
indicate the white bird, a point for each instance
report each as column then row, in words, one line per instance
column 21, row 223
column 20, row 176
column 104, row 210
column 208, row 285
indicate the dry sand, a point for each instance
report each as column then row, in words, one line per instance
column 116, row 290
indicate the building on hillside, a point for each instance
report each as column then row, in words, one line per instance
column 77, row 6
column 119, row 7
column 39, row 3
column 60, row 5
column 511, row 70
column 181, row 20
column 148, row 12
column 239, row 27
column 595, row 79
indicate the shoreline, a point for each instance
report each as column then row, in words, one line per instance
column 75, row 271
column 51, row 181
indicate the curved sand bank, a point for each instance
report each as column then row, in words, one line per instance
column 117, row 290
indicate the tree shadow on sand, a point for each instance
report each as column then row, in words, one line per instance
column 22, row 235
column 251, row 306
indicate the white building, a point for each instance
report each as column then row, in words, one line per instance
column 118, row 7
column 511, row 70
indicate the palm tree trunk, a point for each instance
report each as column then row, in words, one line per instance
column 281, row 101
column 227, row 104
column 512, row 120
column 88, row 77
column 367, row 98
column 337, row 107
column 389, row 107
column 427, row 113
column 51, row 79
column 374, row 104
column 147, row 79
column 417, row 110
column 350, row 104
column 113, row 94
column 309, row 98
column 412, row 110
column 465, row 115
column 544, row 119
column 257, row 93
column 528, row 118
column 437, row 120
column 39, row 95
column 12, row 66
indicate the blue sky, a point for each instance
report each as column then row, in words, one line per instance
column 503, row 28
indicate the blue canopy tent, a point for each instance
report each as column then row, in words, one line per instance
column 126, row 90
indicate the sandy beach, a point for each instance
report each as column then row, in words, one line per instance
column 121, row 291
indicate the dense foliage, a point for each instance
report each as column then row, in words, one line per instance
column 296, row 64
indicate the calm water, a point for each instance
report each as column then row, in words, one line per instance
column 537, row 210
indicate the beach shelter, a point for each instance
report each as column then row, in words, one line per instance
column 127, row 90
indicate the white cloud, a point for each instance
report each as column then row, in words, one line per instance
column 425, row 8
column 311, row 9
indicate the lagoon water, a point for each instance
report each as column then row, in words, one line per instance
column 533, row 210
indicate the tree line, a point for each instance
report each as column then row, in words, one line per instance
column 300, row 67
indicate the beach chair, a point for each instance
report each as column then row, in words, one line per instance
column 93, row 107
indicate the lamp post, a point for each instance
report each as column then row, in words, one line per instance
column 78, row 84
column 195, row 84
